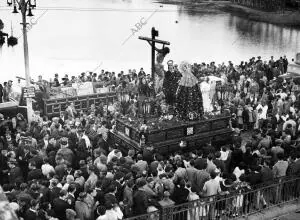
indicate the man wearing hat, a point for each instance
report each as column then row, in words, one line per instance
column 56, row 81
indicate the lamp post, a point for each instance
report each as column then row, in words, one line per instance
column 11, row 41
column 25, row 6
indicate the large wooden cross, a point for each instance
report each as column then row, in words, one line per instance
column 152, row 41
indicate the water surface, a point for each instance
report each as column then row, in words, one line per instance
column 73, row 36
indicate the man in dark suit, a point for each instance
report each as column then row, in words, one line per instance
column 119, row 176
column 15, row 173
column 53, row 145
column 23, row 159
column 34, row 173
column 285, row 64
column 71, row 195
column 170, row 83
column 62, row 118
column 60, row 205
column 111, row 195
column 3, row 166
column 99, row 193
column 140, row 199
column 254, row 177
column 54, row 190
column 31, row 213
column 294, row 167
column 69, row 171
column 200, row 163
column 36, row 158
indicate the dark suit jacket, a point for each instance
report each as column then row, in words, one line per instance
column 201, row 163
column 120, row 189
column 140, row 202
column 35, row 174
column 71, row 201
column 38, row 161
column 100, row 197
column 254, row 179
column 23, row 162
column 220, row 165
column 54, row 193
column 294, row 169
column 14, row 175
column 110, row 197
column 180, row 195
column 60, row 206
column 30, row 215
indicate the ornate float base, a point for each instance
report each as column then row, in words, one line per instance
column 127, row 135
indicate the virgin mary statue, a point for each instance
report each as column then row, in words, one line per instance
column 189, row 104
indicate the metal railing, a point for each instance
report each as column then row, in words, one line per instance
column 240, row 203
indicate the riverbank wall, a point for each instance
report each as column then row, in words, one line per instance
column 288, row 18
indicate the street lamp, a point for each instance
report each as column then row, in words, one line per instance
column 9, row 2
column 25, row 6
column 11, row 41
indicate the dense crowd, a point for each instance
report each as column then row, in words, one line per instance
column 66, row 167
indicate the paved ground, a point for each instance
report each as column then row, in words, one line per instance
column 290, row 216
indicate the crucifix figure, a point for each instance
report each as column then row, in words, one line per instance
column 157, row 69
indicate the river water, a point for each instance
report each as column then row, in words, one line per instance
column 74, row 36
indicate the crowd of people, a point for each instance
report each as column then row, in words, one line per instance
column 66, row 168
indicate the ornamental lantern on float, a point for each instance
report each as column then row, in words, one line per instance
column 182, row 144
column 142, row 141
column 12, row 41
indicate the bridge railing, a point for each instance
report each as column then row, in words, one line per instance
column 241, row 203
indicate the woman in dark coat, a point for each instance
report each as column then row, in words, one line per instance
column 180, row 196
column 1, row 93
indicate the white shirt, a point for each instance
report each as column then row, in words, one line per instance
column 66, row 186
column 212, row 187
column 46, row 142
column 112, row 214
column 87, row 141
column 283, row 95
column 264, row 109
column 224, row 155
column 113, row 154
column 237, row 172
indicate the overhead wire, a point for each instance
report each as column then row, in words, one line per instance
column 5, row 8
